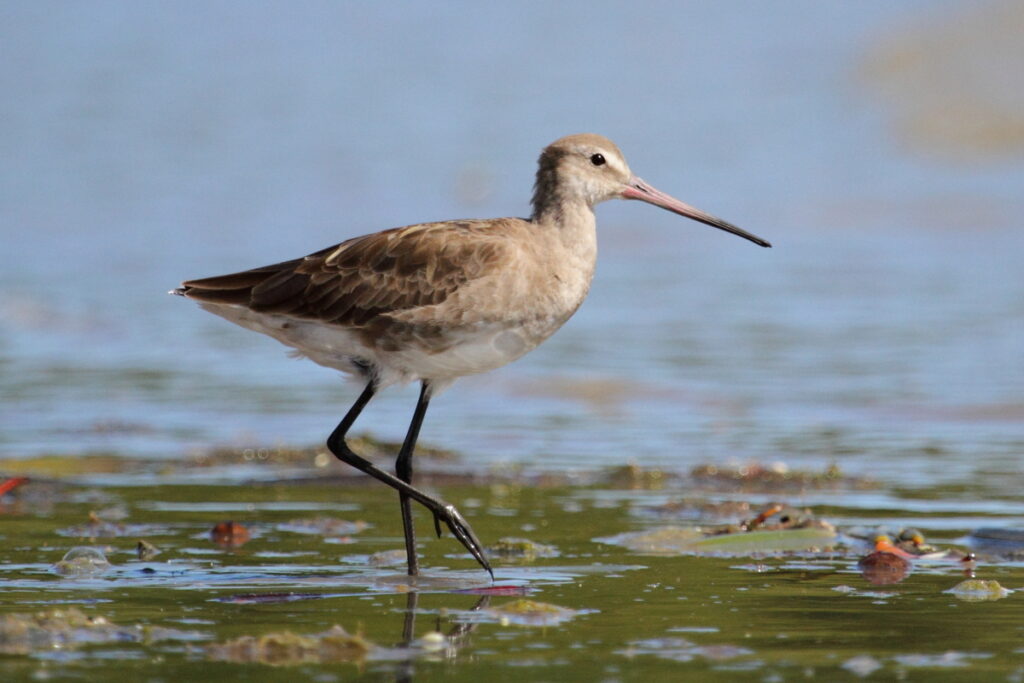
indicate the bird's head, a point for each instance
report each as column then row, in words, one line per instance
column 591, row 169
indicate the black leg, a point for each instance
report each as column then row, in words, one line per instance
column 442, row 511
column 403, row 468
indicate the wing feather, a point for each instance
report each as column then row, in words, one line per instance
column 359, row 280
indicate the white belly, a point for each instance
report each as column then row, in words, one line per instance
column 465, row 351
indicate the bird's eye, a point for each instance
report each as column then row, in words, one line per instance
column 597, row 159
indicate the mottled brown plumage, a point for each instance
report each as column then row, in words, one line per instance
column 353, row 283
column 437, row 301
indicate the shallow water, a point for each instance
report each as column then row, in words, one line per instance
column 882, row 333
column 607, row 611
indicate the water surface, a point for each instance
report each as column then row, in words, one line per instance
column 882, row 333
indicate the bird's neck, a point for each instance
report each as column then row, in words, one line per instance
column 573, row 226
column 561, row 209
column 556, row 200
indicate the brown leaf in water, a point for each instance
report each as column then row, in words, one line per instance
column 229, row 534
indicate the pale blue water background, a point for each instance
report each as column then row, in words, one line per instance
column 145, row 143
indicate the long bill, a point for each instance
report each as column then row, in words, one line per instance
column 638, row 189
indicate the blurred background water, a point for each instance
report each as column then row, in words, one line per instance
column 878, row 145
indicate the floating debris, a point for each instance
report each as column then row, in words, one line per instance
column 884, row 544
column 22, row 633
column 520, row 549
column 882, row 568
column 778, row 516
column 146, row 550
column 11, row 484
column 289, row 649
column 909, row 544
column 229, row 535
column 979, row 590
column 82, row 562
column 906, row 539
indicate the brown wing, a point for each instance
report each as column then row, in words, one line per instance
column 354, row 282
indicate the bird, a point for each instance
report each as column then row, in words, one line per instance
column 434, row 302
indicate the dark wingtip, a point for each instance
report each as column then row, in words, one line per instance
column 179, row 291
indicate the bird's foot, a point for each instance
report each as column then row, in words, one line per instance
column 461, row 530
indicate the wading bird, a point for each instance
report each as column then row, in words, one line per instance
column 437, row 301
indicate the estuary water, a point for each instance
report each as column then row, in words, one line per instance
column 146, row 145
column 867, row 370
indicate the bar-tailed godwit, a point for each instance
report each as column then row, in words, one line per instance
column 437, row 301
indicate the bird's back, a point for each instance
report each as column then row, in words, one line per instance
column 356, row 281
column 449, row 298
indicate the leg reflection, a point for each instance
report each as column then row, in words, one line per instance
column 456, row 637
